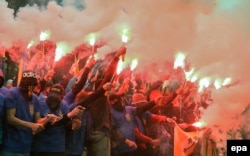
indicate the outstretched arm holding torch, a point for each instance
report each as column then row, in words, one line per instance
column 120, row 52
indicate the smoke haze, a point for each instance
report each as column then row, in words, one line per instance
column 214, row 34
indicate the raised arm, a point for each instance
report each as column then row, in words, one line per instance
column 92, row 97
column 113, row 65
column 79, row 85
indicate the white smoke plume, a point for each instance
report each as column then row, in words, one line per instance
column 213, row 33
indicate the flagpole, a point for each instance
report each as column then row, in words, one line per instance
column 20, row 70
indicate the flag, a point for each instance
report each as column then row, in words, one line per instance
column 20, row 71
column 199, row 143
column 184, row 142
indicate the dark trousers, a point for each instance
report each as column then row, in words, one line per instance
column 132, row 153
column 47, row 154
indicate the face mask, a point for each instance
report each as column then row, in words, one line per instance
column 118, row 106
column 30, row 90
column 53, row 103
column 27, row 91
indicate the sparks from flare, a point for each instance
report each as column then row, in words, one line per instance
column 227, row 81
column 179, row 60
column 204, row 83
column 61, row 50
column 125, row 35
column 134, row 64
column 31, row 43
column 91, row 39
column 124, row 32
column 119, row 67
column 44, row 35
column 199, row 124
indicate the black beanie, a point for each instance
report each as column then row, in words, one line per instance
column 28, row 78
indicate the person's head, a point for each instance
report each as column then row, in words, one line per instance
column 45, row 87
column 117, row 102
column 55, row 96
column 28, row 82
column 138, row 99
column 9, row 83
column 140, row 87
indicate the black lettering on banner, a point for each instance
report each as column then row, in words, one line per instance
column 238, row 147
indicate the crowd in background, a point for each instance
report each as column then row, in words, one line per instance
column 93, row 110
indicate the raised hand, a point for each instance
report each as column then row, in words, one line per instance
column 108, row 86
column 171, row 121
column 121, row 51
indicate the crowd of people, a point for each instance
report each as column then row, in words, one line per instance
column 95, row 112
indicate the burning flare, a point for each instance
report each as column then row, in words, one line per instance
column 44, row 35
column 119, row 67
column 133, row 64
column 199, row 124
column 179, row 60
column 61, row 49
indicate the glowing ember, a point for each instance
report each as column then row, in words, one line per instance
column 179, row 60
column 133, row 64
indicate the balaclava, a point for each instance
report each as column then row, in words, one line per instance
column 54, row 97
column 116, row 102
